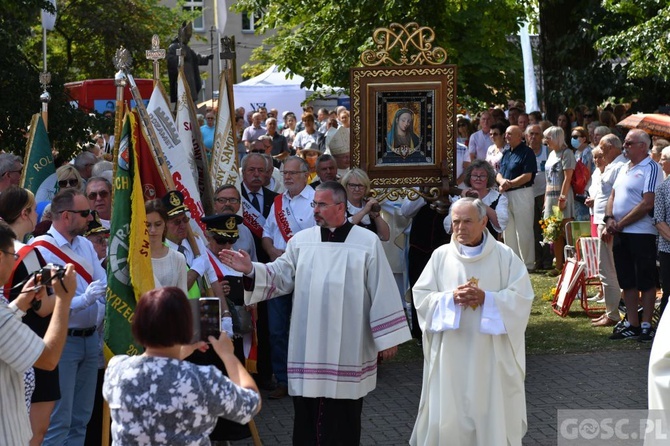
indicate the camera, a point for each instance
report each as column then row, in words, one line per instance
column 49, row 272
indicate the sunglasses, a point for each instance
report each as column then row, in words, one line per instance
column 222, row 240
column 84, row 213
column 102, row 194
column 72, row 182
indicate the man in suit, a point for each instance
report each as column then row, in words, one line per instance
column 256, row 204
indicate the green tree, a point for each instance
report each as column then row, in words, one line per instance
column 86, row 36
column 639, row 46
column 321, row 40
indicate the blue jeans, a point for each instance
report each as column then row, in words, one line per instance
column 279, row 322
column 78, row 372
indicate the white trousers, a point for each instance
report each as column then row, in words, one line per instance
column 519, row 230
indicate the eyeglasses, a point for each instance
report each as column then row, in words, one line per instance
column 84, row 213
column 13, row 254
column 180, row 221
column 292, row 173
column 355, row 186
column 94, row 195
column 72, row 182
column 320, row 205
column 630, row 143
column 224, row 200
column 478, row 177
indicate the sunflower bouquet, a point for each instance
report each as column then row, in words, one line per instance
column 551, row 226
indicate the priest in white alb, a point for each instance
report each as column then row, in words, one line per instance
column 473, row 301
column 346, row 310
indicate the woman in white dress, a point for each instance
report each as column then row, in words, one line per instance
column 169, row 266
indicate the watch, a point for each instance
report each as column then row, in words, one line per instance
column 607, row 217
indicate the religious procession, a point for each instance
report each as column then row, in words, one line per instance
column 365, row 266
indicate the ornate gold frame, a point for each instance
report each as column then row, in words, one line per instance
column 431, row 93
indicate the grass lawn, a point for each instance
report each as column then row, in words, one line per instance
column 548, row 333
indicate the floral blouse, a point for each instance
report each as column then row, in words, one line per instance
column 156, row 400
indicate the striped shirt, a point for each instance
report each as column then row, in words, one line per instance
column 20, row 347
column 632, row 182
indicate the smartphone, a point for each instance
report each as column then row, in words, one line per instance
column 210, row 317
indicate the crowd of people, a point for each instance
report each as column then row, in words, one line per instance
column 297, row 249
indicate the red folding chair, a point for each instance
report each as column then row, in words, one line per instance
column 587, row 254
column 581, row 270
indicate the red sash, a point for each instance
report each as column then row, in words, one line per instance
column 282, row 222
column 252, row 219
column 22, row 253
column 65, row 258
column 213, row 261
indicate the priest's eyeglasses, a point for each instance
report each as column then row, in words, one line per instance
column 320, row 205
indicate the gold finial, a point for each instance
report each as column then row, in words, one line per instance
column 411, row 41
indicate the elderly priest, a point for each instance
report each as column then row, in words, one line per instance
column 473, row 301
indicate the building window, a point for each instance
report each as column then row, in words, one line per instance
column 250, row 25
column 196, row 6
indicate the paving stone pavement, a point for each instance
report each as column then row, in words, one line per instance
column 600, row 380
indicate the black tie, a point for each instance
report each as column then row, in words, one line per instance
column 182, row 249
column 254, row 201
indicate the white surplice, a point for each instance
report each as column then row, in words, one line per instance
column 473, row 381
column 659, row 382
column 346, row 308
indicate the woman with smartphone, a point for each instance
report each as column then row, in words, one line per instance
column 184, row 399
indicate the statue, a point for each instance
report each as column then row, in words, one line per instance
column 191, row 62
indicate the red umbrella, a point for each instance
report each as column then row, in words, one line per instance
column 654, row 124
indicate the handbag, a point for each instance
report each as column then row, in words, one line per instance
column 580, row 178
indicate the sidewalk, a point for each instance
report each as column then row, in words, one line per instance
column 607, row 380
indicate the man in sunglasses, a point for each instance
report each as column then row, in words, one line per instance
column 99, row 194
column 10, row 170
column 78, row 368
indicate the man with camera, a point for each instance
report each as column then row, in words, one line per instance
column 64, row 243
column 20, row 347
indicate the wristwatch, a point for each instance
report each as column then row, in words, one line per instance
column 607, row 217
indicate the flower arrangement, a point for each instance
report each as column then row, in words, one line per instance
column 551, row 226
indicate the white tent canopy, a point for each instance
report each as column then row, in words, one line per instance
column 272, row 89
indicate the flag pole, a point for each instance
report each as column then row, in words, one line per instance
column 155, row 54
column 122, row 62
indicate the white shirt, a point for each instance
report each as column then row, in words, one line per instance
column 631, row 184
column 199, row 264
column 479, row 144
column 82, row 313
column 301, row 207
column 20, row 347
